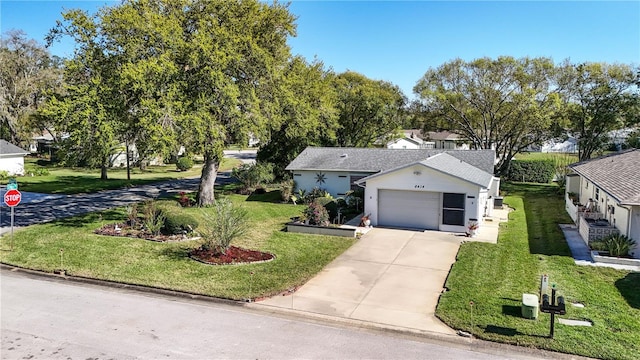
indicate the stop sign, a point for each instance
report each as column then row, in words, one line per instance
column 12, row 198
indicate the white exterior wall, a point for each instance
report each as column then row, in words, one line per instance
column 624, row 218
column 634, row 230
column 428, row 180
column 14, row 165
column 337, row 183
column 402, row 144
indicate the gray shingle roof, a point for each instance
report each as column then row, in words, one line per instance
column 375, row 160
column 7, row 148
column 447, row 164
column 617, row 174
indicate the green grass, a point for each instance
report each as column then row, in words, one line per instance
column 494, row 276
column 558, row 158
column 166, row 265
column 75, row 180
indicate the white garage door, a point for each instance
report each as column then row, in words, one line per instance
column 411, row 209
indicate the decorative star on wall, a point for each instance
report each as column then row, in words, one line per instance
column 320, row 178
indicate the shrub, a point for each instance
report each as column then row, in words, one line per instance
column 618, row 244
column 316, row 214
column 316, row 193
column 286, row 190
column 177, row 223
column 184, row 163
column 132, row 214
column 153, row 217
column 185, row 200
column 536, row 171
column 253, row 175
column 331, row 206
column 227, row 222
column 4, row 174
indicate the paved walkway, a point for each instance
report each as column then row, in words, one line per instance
column 581, row 253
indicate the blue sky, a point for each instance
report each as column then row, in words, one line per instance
column 398, row 41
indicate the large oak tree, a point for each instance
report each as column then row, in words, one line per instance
column 504, row 104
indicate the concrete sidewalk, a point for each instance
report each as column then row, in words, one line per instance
column 390, row 277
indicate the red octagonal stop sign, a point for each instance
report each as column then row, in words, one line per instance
column 12, row 198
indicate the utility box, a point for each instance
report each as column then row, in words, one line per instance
column 530, row 306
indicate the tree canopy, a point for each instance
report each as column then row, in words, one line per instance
column 28, row 73
column 598, row 98
column 505, row 104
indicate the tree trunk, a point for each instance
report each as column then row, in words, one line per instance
column 103, row 172
column 208, row 179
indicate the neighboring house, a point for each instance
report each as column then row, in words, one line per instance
column 603, row 196
column 407, row 143
column 415, row 139
column 426, row 189
column 570, row 145
column 12, row 158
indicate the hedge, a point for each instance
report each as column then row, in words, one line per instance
column 536, row 171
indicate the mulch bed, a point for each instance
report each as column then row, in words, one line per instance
column 233, row 255
column 132, row 232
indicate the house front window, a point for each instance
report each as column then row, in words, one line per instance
column 453, row 209
column 597, row 194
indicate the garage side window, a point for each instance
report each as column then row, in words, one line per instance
column 453, row 209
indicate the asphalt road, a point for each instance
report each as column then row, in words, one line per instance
column 46, row 318
column 40, row 208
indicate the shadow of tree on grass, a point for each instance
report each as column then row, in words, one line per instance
column 629, row 287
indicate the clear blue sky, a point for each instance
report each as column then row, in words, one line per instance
column 398, row 41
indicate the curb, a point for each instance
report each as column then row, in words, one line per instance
column 316, row 318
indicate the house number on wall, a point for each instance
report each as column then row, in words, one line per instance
column 419, row 187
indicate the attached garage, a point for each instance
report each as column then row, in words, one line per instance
column 409, row 209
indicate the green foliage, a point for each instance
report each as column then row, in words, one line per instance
column 330, row 205
column 226, row 223
column 4, row 174
column 29, row 74
column 316, row 214
column 316, row 193
column 537, row 171
column 633, row 141
column 176, row 223
column 39, row 171
column 504, row 103
column 132, row 214
column 618, row 244
column 153, row 217
column 254, row 175
column 368, row 110
column 184, row 163
column 307, row 114
column 598, row 98
column 286, row 190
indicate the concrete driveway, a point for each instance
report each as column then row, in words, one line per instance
column 390, row 277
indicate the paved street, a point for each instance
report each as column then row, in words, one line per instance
column 59, row 319
column 39, row 208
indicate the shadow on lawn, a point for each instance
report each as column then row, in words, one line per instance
column 544, row 210
column 628, row 287
column 272, row 196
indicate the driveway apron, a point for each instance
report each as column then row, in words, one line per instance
column 390, row 277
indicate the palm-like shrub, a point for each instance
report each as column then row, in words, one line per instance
column 618, row 244
column 226, row 223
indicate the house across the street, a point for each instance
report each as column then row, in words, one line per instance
column 603, row 196
column 12, row 158
column 424, row 188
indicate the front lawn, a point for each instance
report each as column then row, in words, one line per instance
column 494, row 277
column 165, row 265
column 76, row 180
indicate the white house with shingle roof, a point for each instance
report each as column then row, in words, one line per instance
column 12, row 158
column 424, row 189
column 609, row 187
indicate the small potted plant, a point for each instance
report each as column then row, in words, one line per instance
column 472, row 228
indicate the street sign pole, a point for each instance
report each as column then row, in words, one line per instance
column 11, row 241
